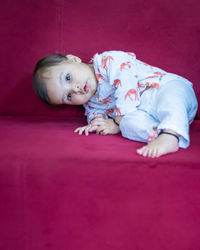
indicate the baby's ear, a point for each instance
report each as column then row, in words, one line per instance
column 73, row 58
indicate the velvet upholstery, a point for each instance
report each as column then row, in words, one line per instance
column 59, row 190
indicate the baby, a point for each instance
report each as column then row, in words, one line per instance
column 122, row 94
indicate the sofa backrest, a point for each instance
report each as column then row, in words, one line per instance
column 162, row 33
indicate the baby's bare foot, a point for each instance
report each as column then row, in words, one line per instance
column 152, row 135
column 163, row 144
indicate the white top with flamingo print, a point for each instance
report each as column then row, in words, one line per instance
column 121, row 81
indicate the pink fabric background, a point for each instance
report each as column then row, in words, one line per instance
column 61, row 191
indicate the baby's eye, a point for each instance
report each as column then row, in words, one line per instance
column 67, row 78
column 69, row 97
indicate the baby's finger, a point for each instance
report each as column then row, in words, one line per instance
column 104, row 132
column 87, row 130
column 81, row 130
column 93, row 128
column 77, row 130
column 99, row 129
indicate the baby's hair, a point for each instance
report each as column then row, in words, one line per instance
column 38, row 78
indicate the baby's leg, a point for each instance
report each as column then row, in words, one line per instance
column 139, row 126
column 175, row 108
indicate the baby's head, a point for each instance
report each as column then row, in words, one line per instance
column 60, row 79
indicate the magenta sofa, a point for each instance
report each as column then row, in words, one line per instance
column 59, row 190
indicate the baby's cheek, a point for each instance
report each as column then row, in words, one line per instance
column 80, row 100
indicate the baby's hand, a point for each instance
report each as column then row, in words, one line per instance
column 86, row 129
column 105, row 126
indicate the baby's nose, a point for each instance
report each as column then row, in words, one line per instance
column 76, row 88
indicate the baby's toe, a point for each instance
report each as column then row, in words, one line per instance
column 140, row 150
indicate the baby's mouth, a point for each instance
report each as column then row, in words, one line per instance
column 86, row 88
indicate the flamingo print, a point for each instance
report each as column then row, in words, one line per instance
column 123, row 65
column 131, row 92
column 106, row 100
column 117, row 83
column 110, row 111
column 154, row 85
column 106, row 60
column 99, row 76
column 140, row 85
column 118, row 111
column 90, row 107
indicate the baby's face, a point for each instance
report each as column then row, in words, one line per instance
column 70, row 83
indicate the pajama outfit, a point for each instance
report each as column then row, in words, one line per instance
column 147, row 97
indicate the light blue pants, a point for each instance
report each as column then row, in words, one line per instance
column 173, row 106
